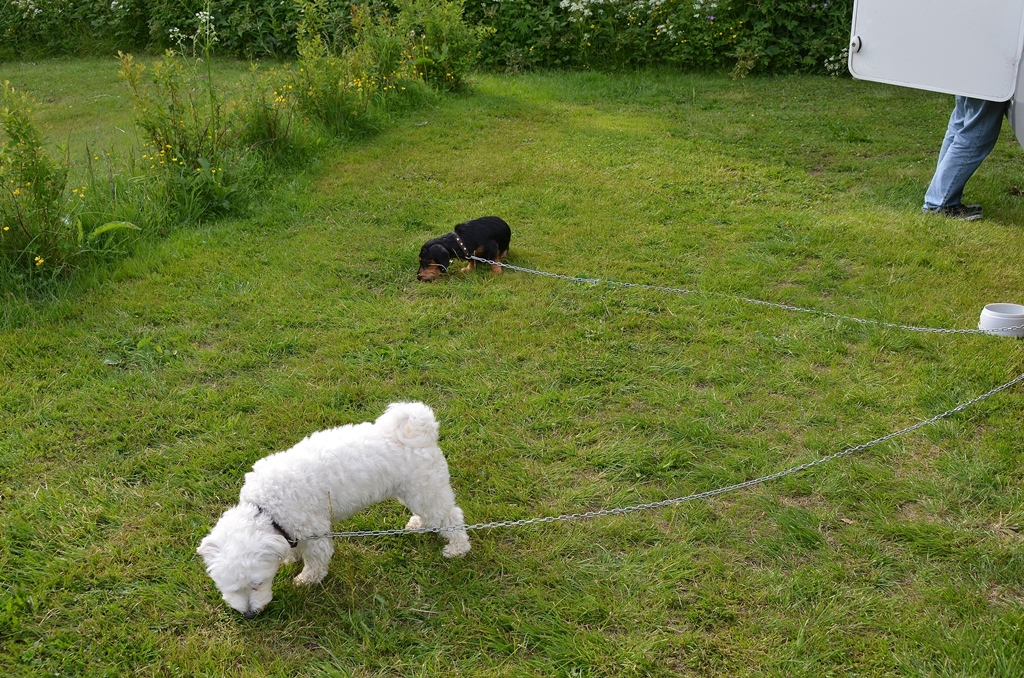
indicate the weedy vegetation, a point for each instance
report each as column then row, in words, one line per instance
column 198, row 138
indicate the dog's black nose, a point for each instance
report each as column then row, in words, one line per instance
column 249, row 614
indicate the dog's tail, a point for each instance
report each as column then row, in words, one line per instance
column 413, row 424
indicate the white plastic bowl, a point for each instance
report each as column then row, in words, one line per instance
column 995, row 317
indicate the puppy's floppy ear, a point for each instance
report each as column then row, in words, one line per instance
column 439, row 255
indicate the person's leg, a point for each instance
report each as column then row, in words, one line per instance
column 956, row 123
column 972, row 133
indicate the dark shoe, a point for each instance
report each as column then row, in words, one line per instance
column 962, row 212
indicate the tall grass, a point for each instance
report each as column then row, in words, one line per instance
column 203, row 155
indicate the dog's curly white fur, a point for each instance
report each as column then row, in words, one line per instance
column 296, row 495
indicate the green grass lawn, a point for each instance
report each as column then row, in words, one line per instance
column 131, row 407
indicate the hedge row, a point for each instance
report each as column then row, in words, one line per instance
column 745, row 35
column 249, row 28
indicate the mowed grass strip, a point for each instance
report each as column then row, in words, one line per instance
column 131, row 408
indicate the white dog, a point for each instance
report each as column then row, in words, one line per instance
column 291, row 497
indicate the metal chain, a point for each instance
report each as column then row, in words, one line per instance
column 565, row 517
column 690, row 497
column 748, row 300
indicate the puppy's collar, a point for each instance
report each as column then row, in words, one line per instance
column 277, row 528
column 463, row 246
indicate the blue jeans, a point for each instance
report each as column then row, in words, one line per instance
column 971, row 136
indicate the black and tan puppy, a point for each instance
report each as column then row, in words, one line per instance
column 486, row 237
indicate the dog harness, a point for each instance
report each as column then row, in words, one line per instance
column 277, row 528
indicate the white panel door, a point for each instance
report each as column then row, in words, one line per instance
column 968, row 47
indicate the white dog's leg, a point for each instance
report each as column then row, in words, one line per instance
column 316, row 555
column 458, row 541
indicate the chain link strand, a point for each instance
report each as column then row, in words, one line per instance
column 747, row 300
column 690, row 497
column 721, row 490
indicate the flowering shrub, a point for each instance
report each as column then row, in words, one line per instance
column 246, row 28
column 190, row 146
column 838, row 64
column 750, row 36
column 266, row 123
column 442, row 45
column 746, row 35
column 323, row 87
column 337, row 84
column 524, row 34
column 41, row 221
column 631, row 33
column 348, row 86
column 35, row 213
column 70, row 26
column 793, row 35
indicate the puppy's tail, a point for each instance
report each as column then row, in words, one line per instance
column 412, row 424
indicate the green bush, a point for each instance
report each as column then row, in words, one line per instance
column 44, row 227
column 189, row 142
column 379, row 59
column 323, row 87
column 443, row 47
column 40, row 27
column 350, row 84
column 628, row 34
column 792, row 35
column 36, row 214
column 524, row 34
column 745, row 35
column 246, row 28
column 267, row 125
column 758, row 36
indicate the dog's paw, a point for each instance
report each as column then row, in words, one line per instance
column 455, row 549
column 414, row 523
column 292, row 557
column 307, row 578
